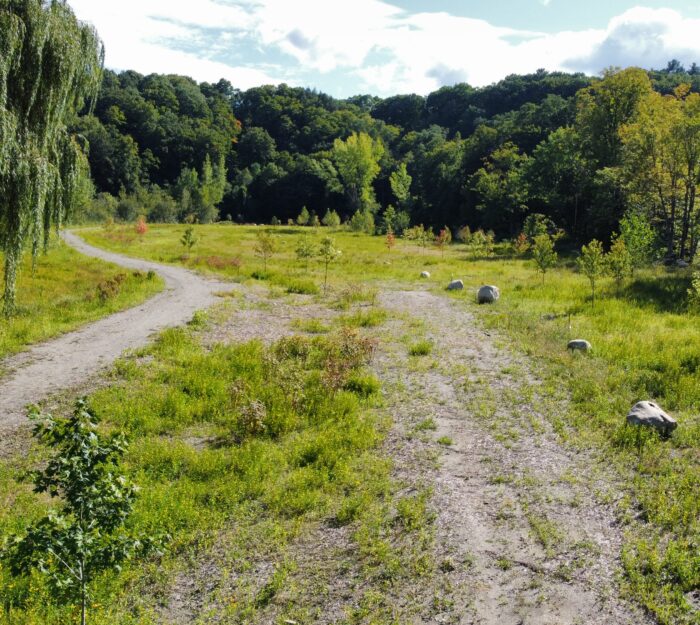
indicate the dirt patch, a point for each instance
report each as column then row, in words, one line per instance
column 518, row 519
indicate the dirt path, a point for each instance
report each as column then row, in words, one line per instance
column 522, row 531
column 68, row 361
column 518, row 514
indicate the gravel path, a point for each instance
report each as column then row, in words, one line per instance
column 68, row 361
column 520, row 516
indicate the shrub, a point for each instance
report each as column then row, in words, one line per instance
column 331, row 219
column 420, row 348
column 111, row 287
column 619, row 260
column 362, row 384
column 303, row 218
column 362, row 221
column 71, row 546
column 189, row 238
column 592, row 263
column 543, row 253
column 141, row 227
column 265, row 246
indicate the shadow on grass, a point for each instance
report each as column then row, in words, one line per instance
column 664, row 293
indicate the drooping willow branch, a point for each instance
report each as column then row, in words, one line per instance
column 50, row 66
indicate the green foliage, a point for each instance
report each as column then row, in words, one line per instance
column 694, row 293
column 189, row 238
column 266, row 245
column 420, row 348
column 87, row 535
column 619, row 260
column 592, row 263
column 536, row 224
column 328, row 253
column 314, row 221
column 357, row 161
column 362, row 221
column 543, row 253
column 400, row 181
column 303, row 217
column 479, row 243
column 331, row 219
column 50, row 65
column 305, row 250
column 639, row 239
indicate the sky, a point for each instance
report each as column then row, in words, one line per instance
column 385, row 47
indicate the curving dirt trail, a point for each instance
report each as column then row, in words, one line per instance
column 69, row 360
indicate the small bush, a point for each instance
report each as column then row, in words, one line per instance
column 362, row 384
column 110, row 288
column 302, row 287
column 420, row 348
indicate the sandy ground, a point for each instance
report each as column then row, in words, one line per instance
column 66, row 362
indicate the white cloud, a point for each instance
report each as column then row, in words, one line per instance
column 378, row 46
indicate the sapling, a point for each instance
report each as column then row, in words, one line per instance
column 592, row 263
column 328, row 254
column 390, row 240
column 265, row 246
column 189, row 238
column 443, row 239
column 305, row 250
column 87, row 534
column 619, row 260
column 141, row 226
column 543, row 253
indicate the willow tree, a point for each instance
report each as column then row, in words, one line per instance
column 50, row 65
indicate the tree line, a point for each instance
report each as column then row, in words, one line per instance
column 582, row 151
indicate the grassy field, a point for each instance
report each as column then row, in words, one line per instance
column 234, row 470
column 66, row 291
column 646, row 345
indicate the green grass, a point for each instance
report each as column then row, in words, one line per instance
column 63, row 293
column 223, row 457
column 420, row 348
column 646, row 345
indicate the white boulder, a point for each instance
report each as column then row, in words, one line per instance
column 455, row 285
column 649, row 414
column 580, row 345
column 488, row 294
column 424, row 274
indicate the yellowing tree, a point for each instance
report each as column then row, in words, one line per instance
column 661, row 166
column 357, row 160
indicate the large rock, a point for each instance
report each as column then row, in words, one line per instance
column 649, row 414
column 580, row 345
column 455, row 285
column 424, row 274
column 488, row 294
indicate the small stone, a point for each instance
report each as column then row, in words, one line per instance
column 649, row 414
column 424, row 274
column 682, row 264
column 579, row 345
column 488, row 294
column 455, row 285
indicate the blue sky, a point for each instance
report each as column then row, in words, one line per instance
column 388, row 47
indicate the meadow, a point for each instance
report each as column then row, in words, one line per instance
column 646, row 345
column 308, row 450
column 65, row 291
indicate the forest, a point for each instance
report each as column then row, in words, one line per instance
column 579, row 150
